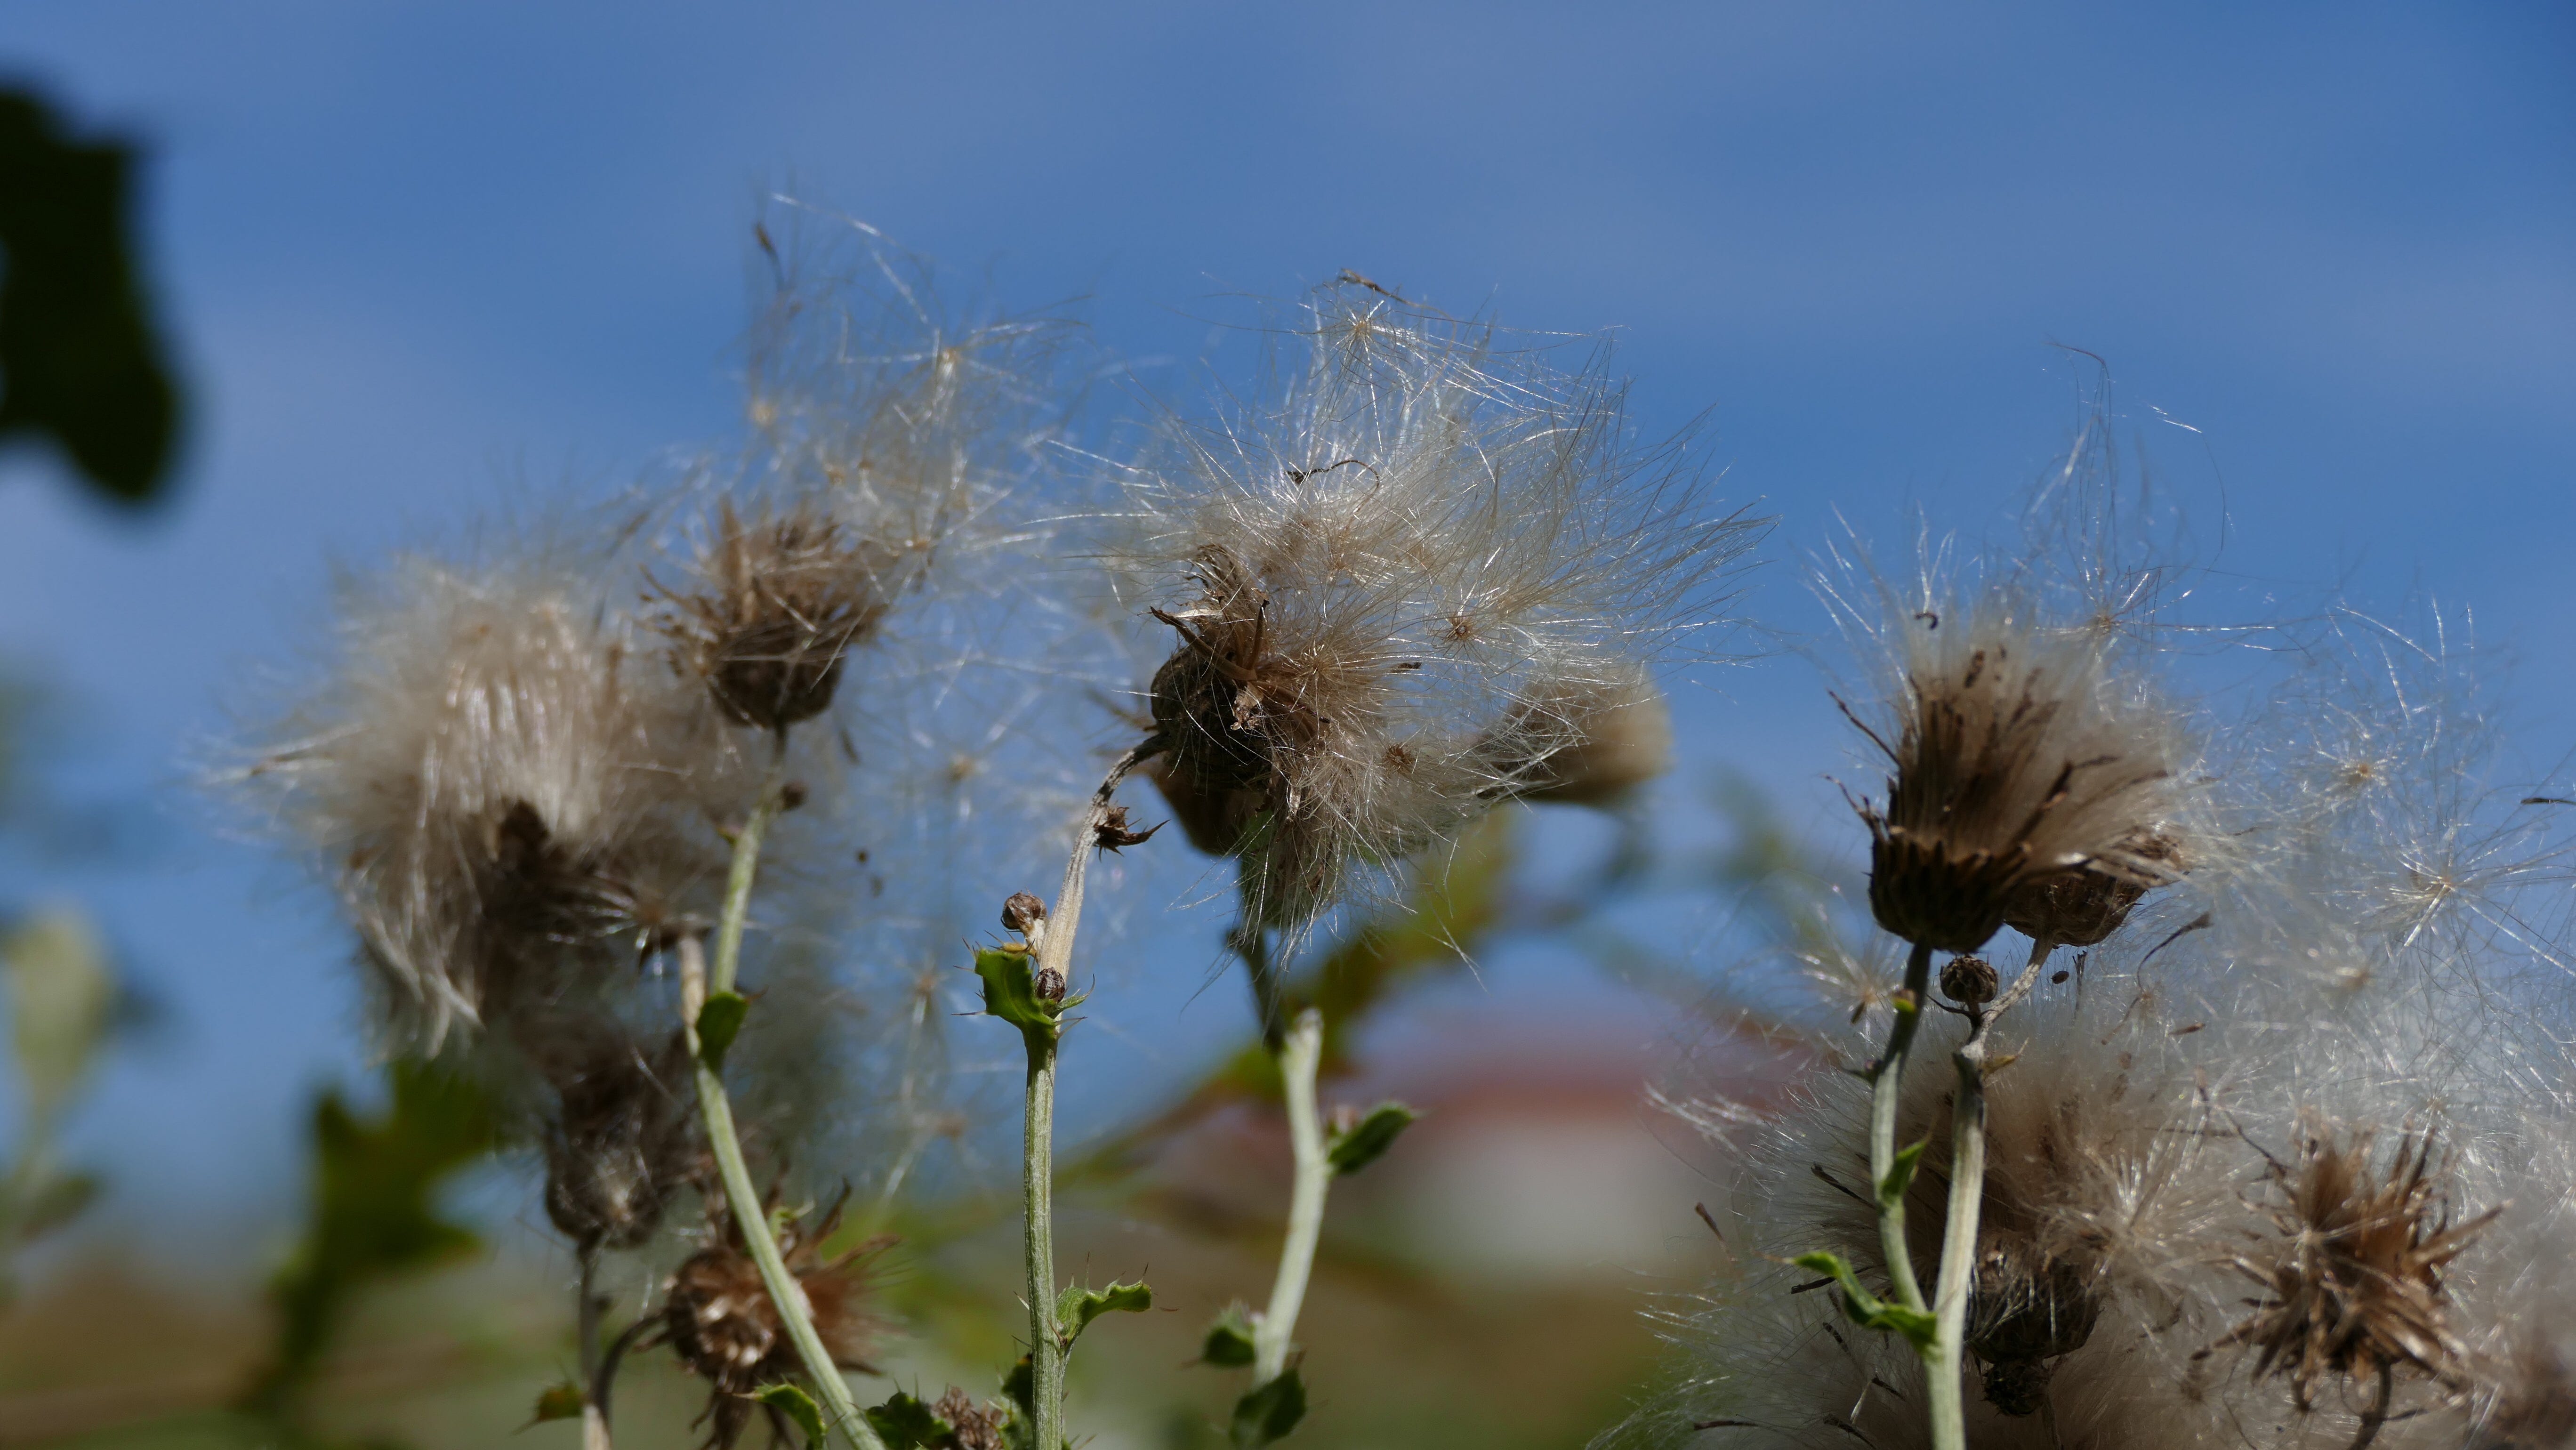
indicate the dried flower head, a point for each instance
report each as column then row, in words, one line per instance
column 2081, row 908
column 718, row 1317
column 1392, row 585
column 776, row 609
column 2016, row 763
column 1614, row 738
column 2353, row 1287
column 973, row 1425
column 622, row 1139
column 482, row 772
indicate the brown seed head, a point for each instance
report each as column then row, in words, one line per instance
column 2531, row 1407
column 1602, row 741
column 1224, row 704
column 622, row 1141
column 1022, row 911
column 719, row 1318
column 778, row 606
column 2012, row 768
column 2080, row 908
column 2353, row 1286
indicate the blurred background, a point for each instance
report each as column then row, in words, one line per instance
column 407, row 263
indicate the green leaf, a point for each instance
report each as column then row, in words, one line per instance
column 1020, row 1386
column 78, row 357
column 1077, row 1306
column 1011, row 993
column 562, row 1401
column 62, row 998
column 49, row 1204
column 905, row 1423
column 1900, row 1175
column 1229, row 1339
column 1368, row 1139
column 798, row 1406
column 719, row 1023
column 1268, row 1413
column 1868, row 1310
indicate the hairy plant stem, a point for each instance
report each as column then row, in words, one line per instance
column 750, row 1215
column 1886, row 1084
column 1301, row 1053
column 1958, row 1272
column 1051, row 951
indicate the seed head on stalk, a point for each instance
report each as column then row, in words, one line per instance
column 2026, row 780
column 1418, row 568
column 720, row 1321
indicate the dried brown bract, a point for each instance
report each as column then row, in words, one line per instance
column 718, row 1317
column 2352, row 1288
column 2015, row 765
column 776, row 609
column 2533, row 1407
column 973, row 1425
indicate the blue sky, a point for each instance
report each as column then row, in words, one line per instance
column 419, row 257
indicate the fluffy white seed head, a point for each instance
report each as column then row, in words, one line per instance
column 1398, row 584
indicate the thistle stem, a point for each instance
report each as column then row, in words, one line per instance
column 750, row 1216
column 1037, row 1186
column 1886, row 1082
column 594, row 1415
column 1301, row 1054
column 1958, row 1273
column 1051, row 951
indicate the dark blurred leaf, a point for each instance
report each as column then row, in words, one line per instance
column 905, row 1423
column 1369, row 1138
column 719, row 1022
column 1267, row 1414
column 373, row 1214
column 1077, row 1306
column 1229, row 1340
column 78, row 359
column 49, row 1204
column 798, row 1406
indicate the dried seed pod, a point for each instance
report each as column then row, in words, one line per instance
column 622, row 1140
column 1608, row 738
column 1023, row 912
column 718, row 1317
column 2354, row 1287
column 975, row 1426
column 2027, row 1312
column 775, row 610
column 2014, row 765
column 2080, row 908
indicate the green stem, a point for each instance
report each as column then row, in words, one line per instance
column 1301, row 1053
column 1886, row 1085
column 594, row 1416
column 1037, row 1186
column 1958, row 1280
column 750, row 1215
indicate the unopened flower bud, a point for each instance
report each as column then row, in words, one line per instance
column 1023, row 913
column 1970, row 980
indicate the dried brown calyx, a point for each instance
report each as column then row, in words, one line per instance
column 973, row 1425
column 2080, row 908
column 2532, row 1406
column 2027, row 1311
column 778, row 606
column 1584, row 743
column 2353, row 1287
column 717, row 1315
column 2011, row 771
column 1970, row 980
column 623, row 1139
column 1225, row 707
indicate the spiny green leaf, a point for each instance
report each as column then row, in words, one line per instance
column 798, row 1406
column 1077, row 1306
column 905, row 1423
column 1900, row 1175
column 1229, row 1339
column 1268, row 1413
column 1868, row 1310
column 719, row 1023
column 1011, row 993
column 560, row 1401
column 1367, row 1140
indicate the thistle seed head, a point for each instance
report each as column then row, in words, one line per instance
column 2081, row 908
column 2354, row 1286
column 1603, row 740
column 1968, row 980
column 976, row 1425
column 2015, row 763
column 719, row 1319
column 775, row 610
column 622, row 1140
